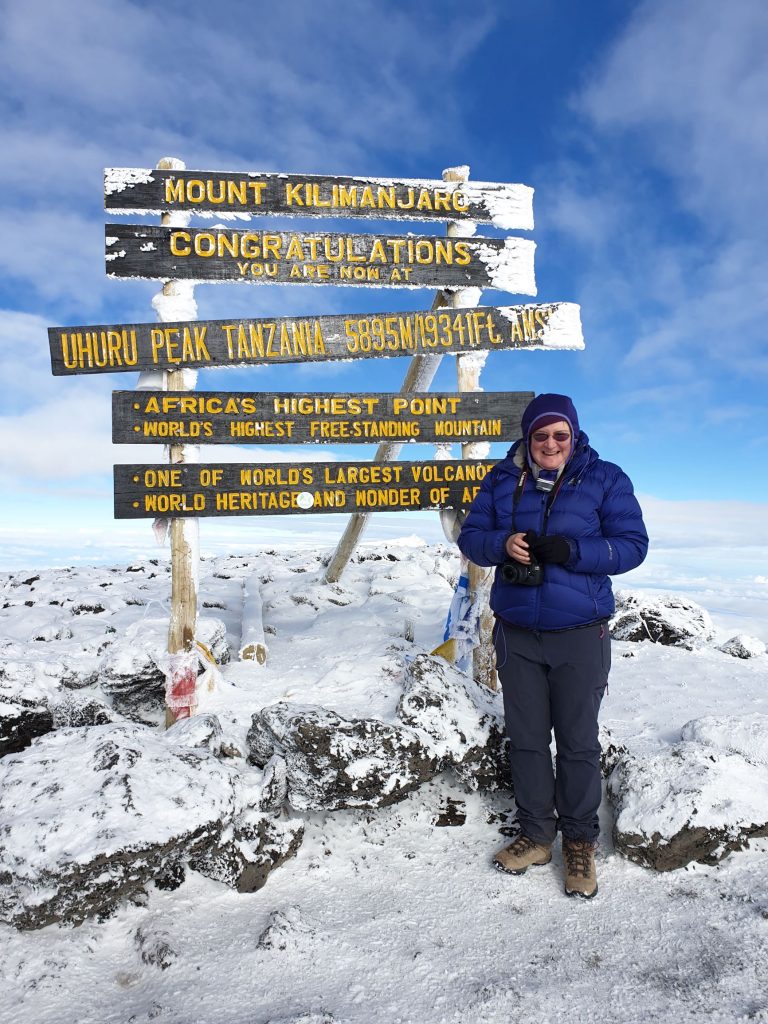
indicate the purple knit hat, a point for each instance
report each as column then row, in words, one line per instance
column 546, row 409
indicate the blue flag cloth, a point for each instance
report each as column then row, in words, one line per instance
column 463, row 622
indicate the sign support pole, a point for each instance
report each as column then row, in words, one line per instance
column 468, row 368
column 419, row 377
column 483, row 667
column 175, row 302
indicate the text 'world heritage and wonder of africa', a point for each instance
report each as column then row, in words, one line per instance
column 143, row 491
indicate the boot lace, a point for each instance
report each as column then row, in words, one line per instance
column 578, row 855
column 522, row 845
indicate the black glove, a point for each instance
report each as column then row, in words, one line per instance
column 555, row 549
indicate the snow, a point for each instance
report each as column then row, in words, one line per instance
column 384, row 917
column 510, row 268
column 118, row 179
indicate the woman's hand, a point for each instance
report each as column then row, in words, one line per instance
column 516, row 547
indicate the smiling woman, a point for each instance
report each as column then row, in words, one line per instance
column 555, row 520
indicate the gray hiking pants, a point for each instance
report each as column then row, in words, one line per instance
column 554, row 680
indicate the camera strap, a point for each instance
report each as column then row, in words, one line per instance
column 521, row 482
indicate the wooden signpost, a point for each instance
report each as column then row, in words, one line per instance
column 458, row 265
column 120, row 348
column 219, row 193
column 236, row 417
column 253, row 489
column 297, row 257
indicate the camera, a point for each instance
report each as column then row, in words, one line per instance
column 524, row 575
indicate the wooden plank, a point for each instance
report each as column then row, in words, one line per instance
column 300, row 257
column 222, row 193
column 246, row 417
column 261, row 489
column 119, row 348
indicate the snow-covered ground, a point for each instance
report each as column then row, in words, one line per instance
column 384, row 916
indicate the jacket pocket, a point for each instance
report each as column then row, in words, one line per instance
column 592, row 591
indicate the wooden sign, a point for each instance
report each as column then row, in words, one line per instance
column 208, row 343
column 237, row 417
column 222, row 194
column 261, row 489
column 288, row 257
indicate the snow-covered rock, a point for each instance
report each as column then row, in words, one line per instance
column 746, row 735
column 743, row 646
column 664, row 619
column 251, row 849
column 696, row 801
column 91, row 816
column 24, row 714
column 444, row 720
column 76, row 710
column 287, row 929
column 461, row 722
column 333, row 762
column 611, row 751
column 155, row 947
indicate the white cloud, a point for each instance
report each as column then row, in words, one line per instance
column 280, row 87
column 661, row 207
column 691, row 76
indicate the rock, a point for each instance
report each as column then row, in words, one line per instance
column 21, row 719
column 743, row 646
column 332, row 762
column 688, row 803
column 460, row 722
column 76, row 711
column 91, row 816
column 664, row 619
column 285, row 931
column 611, row 751
column 130, row 674
column 453, row 813
column 274, row 784
column 250, row 850
column 154, row 946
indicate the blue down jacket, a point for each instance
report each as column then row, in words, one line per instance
column 595, row 508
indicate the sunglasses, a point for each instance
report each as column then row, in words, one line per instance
column 559, row 435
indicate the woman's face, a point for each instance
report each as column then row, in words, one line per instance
column 551, row 445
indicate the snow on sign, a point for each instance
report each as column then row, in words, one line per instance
column 236, row 417
column 253, row 489
column 288, row 257
column 227, row 195
column 237, row 342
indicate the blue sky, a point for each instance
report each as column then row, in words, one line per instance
column 641, row 126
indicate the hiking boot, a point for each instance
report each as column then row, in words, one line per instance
column 522, row 854
column 580, row 871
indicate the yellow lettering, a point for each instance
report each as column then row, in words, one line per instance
column 174, row 190
column 177, row 249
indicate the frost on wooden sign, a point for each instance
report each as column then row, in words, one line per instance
column 229, row 195
column 296, row 257
column 110, row 348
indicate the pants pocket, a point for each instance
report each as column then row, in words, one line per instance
column 499, row 644
column 605, row 641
